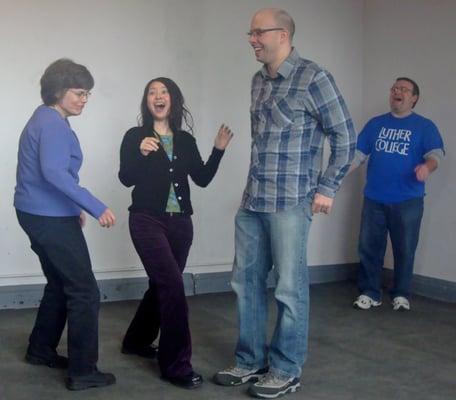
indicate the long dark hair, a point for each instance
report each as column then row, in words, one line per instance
column 178, row 114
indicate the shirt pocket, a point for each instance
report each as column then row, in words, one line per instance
column 286, row 113
column 257, row 120
column 280, row 112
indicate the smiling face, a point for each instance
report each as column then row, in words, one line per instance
column 267, row 44
column 72, row 103
column 402, row 98
column 159, row 101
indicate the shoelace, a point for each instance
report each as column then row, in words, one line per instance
column 236, row 370
column 270, row 379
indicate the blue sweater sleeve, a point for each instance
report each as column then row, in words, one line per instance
column 55, row 153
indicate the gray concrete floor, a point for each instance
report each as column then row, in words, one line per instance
column 378, row 354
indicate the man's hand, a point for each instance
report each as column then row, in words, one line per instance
column 322, row 204
column 422, row 171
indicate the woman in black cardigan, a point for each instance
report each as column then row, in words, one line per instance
column 156, row 158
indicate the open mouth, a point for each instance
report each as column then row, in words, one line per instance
column 257, row 49
column 159, row 106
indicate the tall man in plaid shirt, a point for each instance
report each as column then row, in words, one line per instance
column 295, row 106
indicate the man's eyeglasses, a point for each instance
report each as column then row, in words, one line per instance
column 401, row 89
column 260, row 32
column 80, row 94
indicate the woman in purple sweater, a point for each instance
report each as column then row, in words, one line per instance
column 49, row 204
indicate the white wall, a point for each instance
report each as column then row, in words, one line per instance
column 416, row 38
column 202, row 45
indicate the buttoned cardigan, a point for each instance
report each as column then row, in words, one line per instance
column 152, row 175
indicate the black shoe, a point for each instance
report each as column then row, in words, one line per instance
column 59, row 362
column 95, row 379
column 190, row 381
column 146, row 352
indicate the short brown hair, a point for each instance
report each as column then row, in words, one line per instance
column 284, row 20
column 61, row 75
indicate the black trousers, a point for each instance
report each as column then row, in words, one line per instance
column 163, row 244
column 71, row 292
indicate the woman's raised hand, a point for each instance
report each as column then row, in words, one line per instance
column 148, row 144
column 223, row 137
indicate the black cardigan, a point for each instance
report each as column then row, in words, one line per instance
column 152, row 175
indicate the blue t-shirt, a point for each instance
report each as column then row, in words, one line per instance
column 395, row 147
column 49, row 159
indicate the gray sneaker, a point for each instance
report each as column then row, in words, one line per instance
column 271, row 386
column 234, row 376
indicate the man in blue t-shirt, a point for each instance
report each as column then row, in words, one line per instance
column 403, row 148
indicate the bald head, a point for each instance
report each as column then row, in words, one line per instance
column 281, row 18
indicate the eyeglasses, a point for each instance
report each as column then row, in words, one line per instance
column 80, row 94
column 401, row 89
column 260, row 32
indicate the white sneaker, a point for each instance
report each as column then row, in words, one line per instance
column 364, row 302
column 400, row 304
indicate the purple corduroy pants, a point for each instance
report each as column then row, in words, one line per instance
column 163, row 243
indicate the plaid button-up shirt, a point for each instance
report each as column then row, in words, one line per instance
column 290, row 117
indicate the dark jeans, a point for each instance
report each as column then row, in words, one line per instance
column 163, row 243
column 71, row 292
column 402, row 221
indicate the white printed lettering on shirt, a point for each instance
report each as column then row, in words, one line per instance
column 393, row 141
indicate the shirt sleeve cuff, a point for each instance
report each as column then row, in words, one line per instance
column 359, row 158
column 326, row 191
column 436, row 154
column 217, row 152
column 97, row 209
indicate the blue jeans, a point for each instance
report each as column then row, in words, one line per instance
column 402, row 221
column 261, row 241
